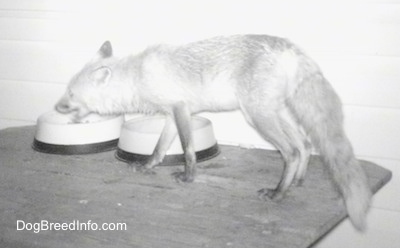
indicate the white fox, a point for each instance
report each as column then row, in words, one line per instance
column 281, row 92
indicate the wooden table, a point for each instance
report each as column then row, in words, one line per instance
column 220, row 209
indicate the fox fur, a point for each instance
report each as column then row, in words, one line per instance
column 281, row 92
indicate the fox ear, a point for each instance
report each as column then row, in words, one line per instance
column 105, row 50
column 101, row 76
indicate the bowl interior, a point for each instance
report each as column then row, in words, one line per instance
column 155, row 125
column 55, row 118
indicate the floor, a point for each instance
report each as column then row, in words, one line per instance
column 63, row 201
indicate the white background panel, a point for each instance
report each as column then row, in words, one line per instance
column 44, row 42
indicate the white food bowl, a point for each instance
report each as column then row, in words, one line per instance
column 56, row 133
column 139, row 138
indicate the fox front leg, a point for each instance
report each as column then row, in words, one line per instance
column 183, row 118
column 167, row 136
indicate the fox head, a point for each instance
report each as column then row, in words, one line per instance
column 94, row 89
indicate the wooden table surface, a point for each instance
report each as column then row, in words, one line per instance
column 220, row 209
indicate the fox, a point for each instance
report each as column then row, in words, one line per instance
column 281, row 92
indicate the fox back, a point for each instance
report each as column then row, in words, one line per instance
column 207, row 75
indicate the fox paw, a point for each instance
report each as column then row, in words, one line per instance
column 183, row 177
column 269, row 194
column 146, row 171
column 142, row 169
column 298, row 182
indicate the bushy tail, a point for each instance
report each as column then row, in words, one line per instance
column 318, row 109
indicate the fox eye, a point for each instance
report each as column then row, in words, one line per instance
column 70, row 93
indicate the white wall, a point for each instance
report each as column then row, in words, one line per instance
column 43, row 42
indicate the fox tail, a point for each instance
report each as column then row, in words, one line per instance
column 318, row 109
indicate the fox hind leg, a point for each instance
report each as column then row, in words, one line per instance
column 275, row 128
column 305, row 153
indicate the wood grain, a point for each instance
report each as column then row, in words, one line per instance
column 220, row 209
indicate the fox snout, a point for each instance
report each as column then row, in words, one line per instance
column 64, row 107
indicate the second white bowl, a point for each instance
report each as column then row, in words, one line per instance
column 139, row 138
